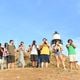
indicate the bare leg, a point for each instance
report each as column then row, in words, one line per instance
column 42, row 64
column 75, row 64
column 2, row 67
column 46, row 64
column 71, row 65
column 33, row 63
column 63, row 61
column 57, row 60
column 23, row 66
column 9, row 65
column 13, row 65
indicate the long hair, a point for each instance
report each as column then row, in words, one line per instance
column 6, row 45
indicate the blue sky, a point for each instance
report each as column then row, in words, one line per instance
column 26, row 20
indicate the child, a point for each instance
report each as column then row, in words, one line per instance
column 71, row 53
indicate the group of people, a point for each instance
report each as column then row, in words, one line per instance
column 39, row 54
column 8, row 54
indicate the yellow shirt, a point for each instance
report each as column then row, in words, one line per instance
column 45, row 49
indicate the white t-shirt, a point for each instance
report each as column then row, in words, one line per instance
column 34, row 50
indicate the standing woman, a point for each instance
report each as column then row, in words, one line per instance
column 22, row 43
column 45, row 52
column 5, row 53
column 21, row 59
column 34, row 54
column 57, row 49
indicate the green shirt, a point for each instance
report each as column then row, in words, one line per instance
column 71, row 50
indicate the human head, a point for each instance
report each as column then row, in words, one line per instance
column 57, row 42
column 29, row 45
column 11, row 42
column 20, row 45
column 5, row 45
column 34, row 42
column 44, row 40
column 21, row 42
column 70, row 41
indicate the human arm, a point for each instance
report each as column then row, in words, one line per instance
column 73, row 45
column 67, row 46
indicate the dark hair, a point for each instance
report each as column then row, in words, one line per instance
column 54, row 41
column 20, row 45
column 57, row 41
column 0, row 44
column 44, row 39
column 34, row 42
column 69, row 40
column 21, row 42
column 10, row 41
column 29, row 45
column 5, row 45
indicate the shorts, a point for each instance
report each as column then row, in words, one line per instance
column 72, row 58
column 34, row 57
column 58, row 53
column 5, row 58
column 0, row 57
column 45, row 58
column 10, row 58
column 39, row 59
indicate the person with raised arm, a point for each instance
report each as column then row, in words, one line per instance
column 45, row 52
column 11, row 57
column 34, row 54
column 57, row 50
column 71, row 53
column 21, row 51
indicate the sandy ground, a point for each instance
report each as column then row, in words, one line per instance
column 39, row 74
column 51, row 73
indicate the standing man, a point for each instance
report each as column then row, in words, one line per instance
column 11, row 56
column 72, row 54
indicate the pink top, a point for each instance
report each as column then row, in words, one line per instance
column 5, row 53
